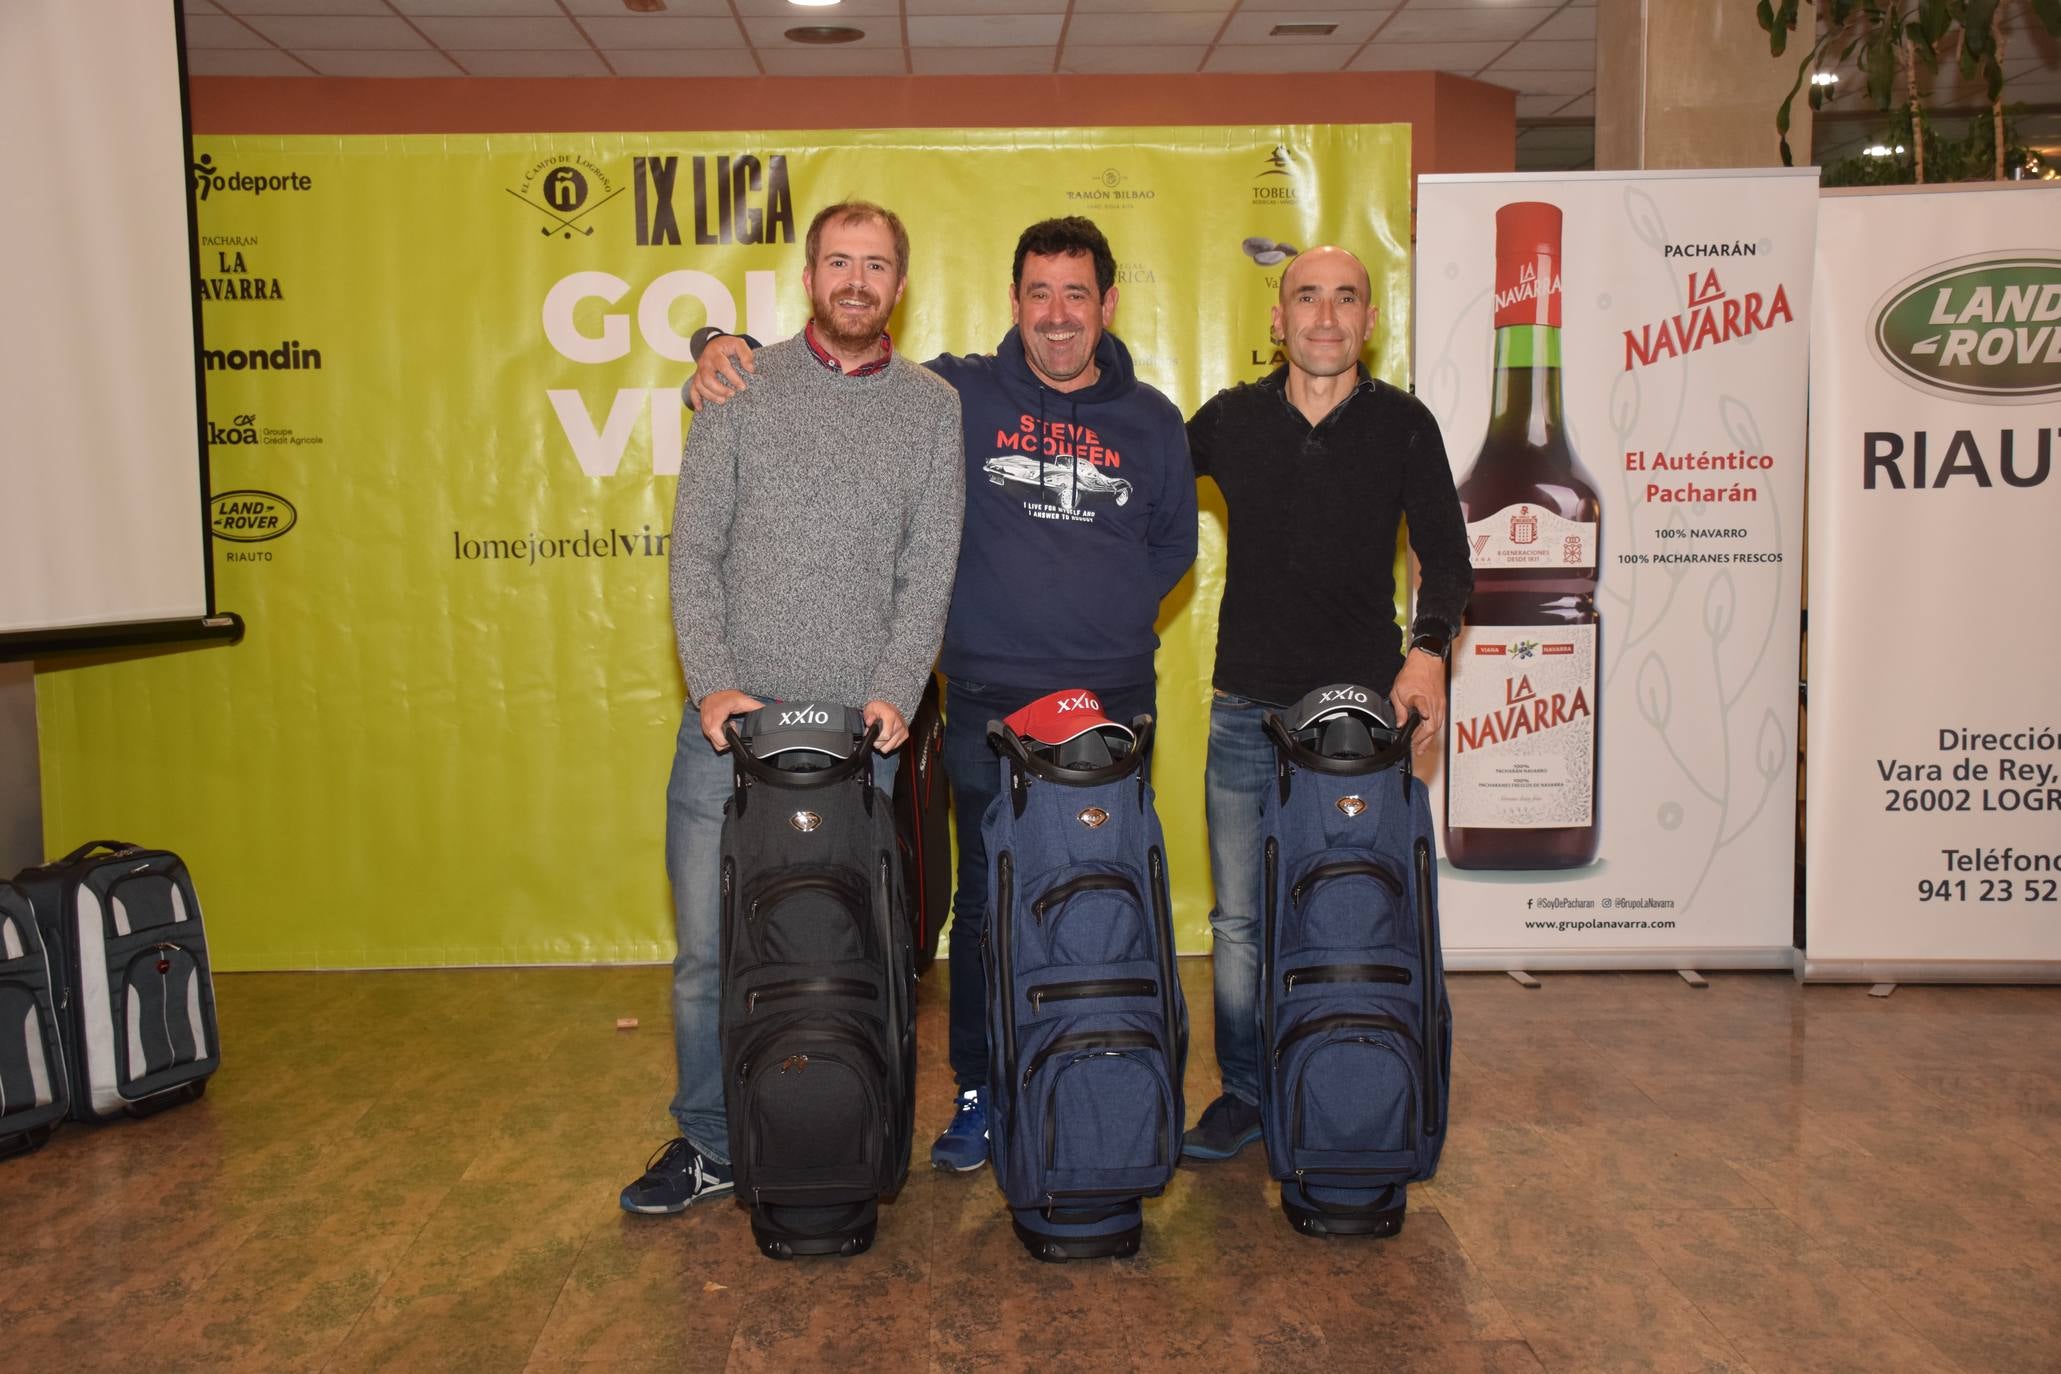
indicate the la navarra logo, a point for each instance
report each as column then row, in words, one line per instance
column 1712, row 317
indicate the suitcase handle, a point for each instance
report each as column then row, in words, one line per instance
column 841, row 771
column 113, row 846
column 1294, row 755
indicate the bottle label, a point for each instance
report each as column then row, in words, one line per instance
column 1528, row 536
column 1522, row 750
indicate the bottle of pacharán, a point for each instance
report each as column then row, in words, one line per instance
column 1522, row 763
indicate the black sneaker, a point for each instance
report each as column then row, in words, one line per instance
column 677, row 1177
column 1228, row 1125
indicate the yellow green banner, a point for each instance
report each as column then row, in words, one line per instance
column 443, row 406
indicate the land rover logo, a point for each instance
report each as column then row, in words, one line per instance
column 1093, row 816
column 1352, row 806
column 250, row 517
column 805, row 821
column 1983, row 328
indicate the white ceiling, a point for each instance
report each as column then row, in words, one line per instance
column 1544, row 50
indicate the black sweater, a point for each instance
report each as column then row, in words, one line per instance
column 1309, row 581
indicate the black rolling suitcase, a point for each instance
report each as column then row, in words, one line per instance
column 1087, row 1029
column 1356, row 1032
column 923, row 825
column 137, row 1007
column 818, row 1026
column 34, row 1097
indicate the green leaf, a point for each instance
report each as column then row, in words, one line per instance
column 1765, row 12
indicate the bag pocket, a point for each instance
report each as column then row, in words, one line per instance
column 1093, row 917
column 1348, row 902
column 1353, row 1096
column 29, row 1079
column 809, row 916
column 814, row 1117
column 163, row 1020
column 1105, row 1107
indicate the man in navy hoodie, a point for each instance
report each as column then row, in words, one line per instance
column 1080, row 518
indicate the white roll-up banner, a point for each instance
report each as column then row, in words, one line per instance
column 1934, row 813
column 1617, row 362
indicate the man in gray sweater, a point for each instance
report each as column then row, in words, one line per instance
column 814, row 541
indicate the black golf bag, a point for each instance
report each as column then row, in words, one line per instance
column 1356, row 1033
column 818, row 1028
column 1087, row 1029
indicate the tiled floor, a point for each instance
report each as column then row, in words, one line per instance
column 417, row 1171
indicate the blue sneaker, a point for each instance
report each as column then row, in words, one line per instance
column 677, row 1177
column 964, row 1145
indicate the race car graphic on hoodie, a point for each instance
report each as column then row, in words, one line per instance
column 1068, row 480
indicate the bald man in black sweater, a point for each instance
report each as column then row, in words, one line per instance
column 1319, row 463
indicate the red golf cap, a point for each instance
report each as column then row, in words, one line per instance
column 1063, row 716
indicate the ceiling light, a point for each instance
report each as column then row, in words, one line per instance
column 824, row 33
column 1301, row 30
column 1824, row 78
column 644, row 6
column 813, row 4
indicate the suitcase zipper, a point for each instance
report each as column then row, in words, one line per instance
column 809, row 987
column 1091, row 1040
column 1087, row 882
column 1346, row 868
column 1345, row 973
column 1344, row 1020
column 1434, row 986
column 1098, row 987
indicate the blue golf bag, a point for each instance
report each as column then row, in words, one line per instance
column 1087, row 1028
column 1355, row 1031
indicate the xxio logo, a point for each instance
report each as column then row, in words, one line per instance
column 1079, row 701
column 1343, row 694
column 805, row 715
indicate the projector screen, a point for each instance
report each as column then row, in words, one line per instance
column 103, row 467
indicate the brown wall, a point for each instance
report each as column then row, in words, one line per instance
column 1457, row 125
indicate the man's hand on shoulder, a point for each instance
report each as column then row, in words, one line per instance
column 721, row 372
column 1421, row 687
column 716, row 710
column 894, row 731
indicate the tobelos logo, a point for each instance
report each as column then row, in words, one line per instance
column 250, row 517
column 1984, row 328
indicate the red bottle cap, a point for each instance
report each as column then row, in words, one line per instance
column 1528, row 264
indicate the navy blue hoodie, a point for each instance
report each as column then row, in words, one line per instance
column 1080, row 517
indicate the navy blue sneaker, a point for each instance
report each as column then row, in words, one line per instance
column 964, row 1145
column 1228, row 1125
column 677, row 1177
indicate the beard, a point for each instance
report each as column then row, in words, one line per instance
column 842, row 329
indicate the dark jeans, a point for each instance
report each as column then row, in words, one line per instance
column 976, row 780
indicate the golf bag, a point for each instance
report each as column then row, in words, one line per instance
column 1356, row 1032
column 923, row 825
column 1087, row 1030
column 33, row 1093
column 818, row 1024
column 134, row 995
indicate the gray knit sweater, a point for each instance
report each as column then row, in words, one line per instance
column 815, row 533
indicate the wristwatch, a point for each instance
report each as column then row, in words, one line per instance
column 1433, row 638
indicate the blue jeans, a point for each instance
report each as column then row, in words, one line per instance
column 976, row 779
column 695, row 796
column 1235, row 783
